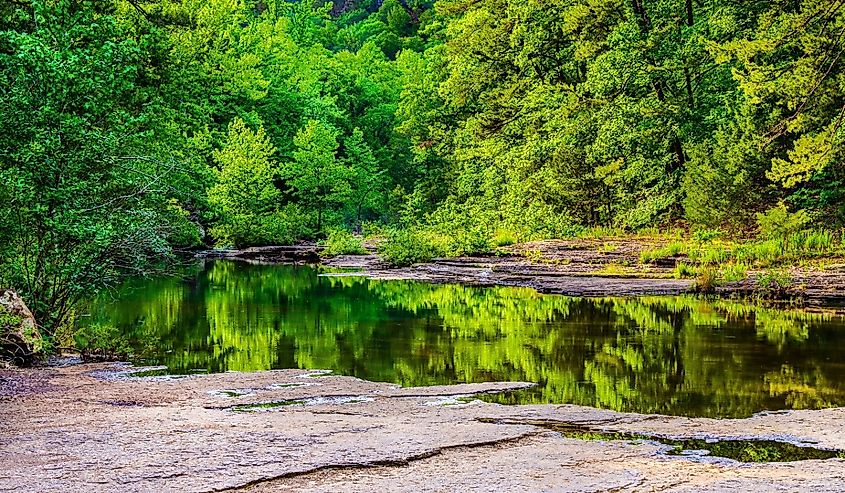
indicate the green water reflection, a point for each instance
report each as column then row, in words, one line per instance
column 653, row 355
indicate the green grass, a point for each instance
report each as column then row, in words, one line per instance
column 704, row 250
column 734, row 272
column 673, row 249
column 684, row 271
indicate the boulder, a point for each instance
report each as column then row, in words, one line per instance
column 20, row 339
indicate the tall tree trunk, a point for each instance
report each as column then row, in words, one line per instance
column 688, row 83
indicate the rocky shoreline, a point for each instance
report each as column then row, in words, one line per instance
column 106, row 427
column 101, row 428
column 588, row 268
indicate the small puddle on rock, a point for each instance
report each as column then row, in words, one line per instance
column 735, row 449
column 232, row 393
column 308, row 401
column 317, row 374
column 289, row 385
column 128, row 372
column 448, row 401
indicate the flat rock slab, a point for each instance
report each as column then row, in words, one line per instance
column 98, row 428
column 590, row 267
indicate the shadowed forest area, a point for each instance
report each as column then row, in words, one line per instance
column 133, row 129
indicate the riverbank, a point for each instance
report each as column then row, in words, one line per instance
column 584, row 268
column 99, row 428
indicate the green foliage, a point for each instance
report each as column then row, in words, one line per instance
column 183, row 231
column 131, row 128
column 341, row 242
column 406, row 247
column 99, row 342
column 317, row 177
column 244, row 193
column 706, row 235
column 779, row 223
column 673, row 249
column 684, row 271
column 735, row 272
column 708, row 279
column 712, row 254
column 774, row 282
column 503, row 238
column 85, row 192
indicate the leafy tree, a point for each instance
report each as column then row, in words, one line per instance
column 318, row 178
column 366, row 179
column 244, row 192
column 84, row 195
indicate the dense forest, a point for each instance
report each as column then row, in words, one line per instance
column 133, row 128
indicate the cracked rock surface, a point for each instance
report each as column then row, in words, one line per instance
column 97, row 428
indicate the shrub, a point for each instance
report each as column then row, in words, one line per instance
column 341, row 242
column 504, row 238
column 282, row 227
column 98, row 342
column 706, row 235
column 707, row 280
column 469, row 242
column 404, row 247
column 778, row 222
column 181, row 230
column 370, row 229
column 774, row 282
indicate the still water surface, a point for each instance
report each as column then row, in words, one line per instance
column 669, row 355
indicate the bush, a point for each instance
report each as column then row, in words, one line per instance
column 406, row 247
column 182, row 231
column 341, row 242
column 706, row 235
column 98, row 342
column 370, row 229
column 504, row 238
column 778, row 222
column 774, row 283
column 282, row 227
column 469, row 241
column 707, row 280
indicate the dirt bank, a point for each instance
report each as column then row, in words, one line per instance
column 95, row 428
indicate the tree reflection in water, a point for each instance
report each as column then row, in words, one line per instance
column 678, row 355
